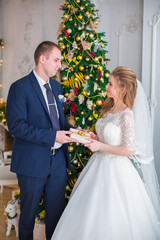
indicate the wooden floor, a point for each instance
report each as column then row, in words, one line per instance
column 4, row 198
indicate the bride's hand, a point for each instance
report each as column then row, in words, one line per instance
column 93, row 136
column 93, row 145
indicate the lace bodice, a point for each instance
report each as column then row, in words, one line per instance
column 117, row 129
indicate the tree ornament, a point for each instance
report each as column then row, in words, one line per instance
column 102, row 46
column 81, row 8
column 86, row 45
column 79, row 57
column 98, row 102
column 80, row 17
column 90, row 75
column 75, row 24
column 102, row 79
column 84, row 93
column 63, row 26
column 87, row 59
column 64, row 78
column 66, row 95
column 78, row 1
column 96, row 22
column 69, row 30
column 70, row 19
column 86, row 4
column 79, row 28
column 96, row 59
column 62, row 47
column 87, row 13
column 94, row 9
column 82, row 112
column 100, row 68
column 91, row 35
column 77, row 144
column 70, row 148
column 70, row 54
column 75, row 162
column 80, row 154
column 87, row 77
column 99, row 89
column 106, row 75
column 81, row 68
column 78, row 38
column 94, row 105
column 74, row 45
column 90, row 119
column 60, row 38
column 65, row 16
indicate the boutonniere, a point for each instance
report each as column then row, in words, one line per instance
column 62, row 99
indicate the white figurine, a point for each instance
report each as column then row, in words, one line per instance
column 12, row 217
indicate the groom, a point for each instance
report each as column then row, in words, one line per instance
column 40, row 154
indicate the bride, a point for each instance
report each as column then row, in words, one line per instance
column 116, row 196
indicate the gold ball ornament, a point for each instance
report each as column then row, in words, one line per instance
column 81, row 8
column 90, row 75
column 79, row 57
column 82, row 113
column 86, row 4
column 87, row 59
column 76, row 118
column 70, row 148
column 64, row 78
column 96, row 22
column 78, row 1
column 62, row 47
column 106, row 74
column 69, row 30
column 65, row 16
column 80, row 154
column 66, row 94
column 87, row 13
column 94, row 9
column 70, row 19
column 63, row 26
column 98, row 102
column 75, row 162
column 100, row 68
column 79, row 165
column 94, row 105
column 102, row 79
column 69, row 173
column 84, row 93
column 90, row 119
column 78, row 38
column 102, row 46
column 80, row 17
column 99, row 89
column 81, row 68
column 79, row 28
column 60, row 38
column 96, row 59
column 87, row 77
column 88, row 93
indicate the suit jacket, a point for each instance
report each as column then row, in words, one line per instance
column 29, row 122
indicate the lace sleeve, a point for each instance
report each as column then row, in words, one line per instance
column 128, row 130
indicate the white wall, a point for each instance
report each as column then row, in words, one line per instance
column 151, row 68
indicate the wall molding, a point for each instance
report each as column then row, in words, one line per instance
column 134, row 22
column 153, row 23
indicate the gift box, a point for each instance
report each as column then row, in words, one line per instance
column 79, row 135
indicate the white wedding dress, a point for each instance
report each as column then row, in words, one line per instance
column 109, row 200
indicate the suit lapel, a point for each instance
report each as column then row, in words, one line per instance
column 38, row 90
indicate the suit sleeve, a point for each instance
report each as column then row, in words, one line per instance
column 17, row 122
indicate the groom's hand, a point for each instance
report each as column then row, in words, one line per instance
column 64, row 137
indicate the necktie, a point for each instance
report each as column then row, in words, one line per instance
column 52, row 107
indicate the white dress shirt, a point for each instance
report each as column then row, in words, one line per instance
column 41, row 84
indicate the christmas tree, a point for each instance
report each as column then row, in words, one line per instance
column 84, row 74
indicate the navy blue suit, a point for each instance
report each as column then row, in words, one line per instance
column 29, row 122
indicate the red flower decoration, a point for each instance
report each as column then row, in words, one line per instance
column 73, row 107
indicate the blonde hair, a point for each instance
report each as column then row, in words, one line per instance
column 125, row 77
